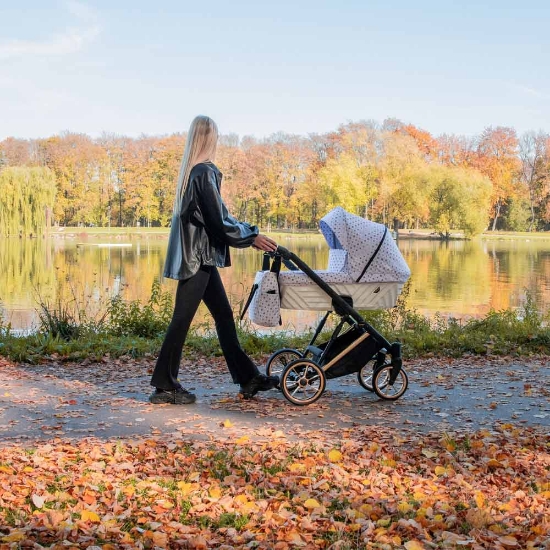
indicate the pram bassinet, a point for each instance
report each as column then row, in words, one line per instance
column 364, row 264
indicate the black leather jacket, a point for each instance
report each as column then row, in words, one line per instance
column 203, row 231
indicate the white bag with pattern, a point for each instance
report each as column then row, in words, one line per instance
column 264, row 301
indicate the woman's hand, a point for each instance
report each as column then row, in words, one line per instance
column 261, row 242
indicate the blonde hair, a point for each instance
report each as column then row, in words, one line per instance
column 200, row 146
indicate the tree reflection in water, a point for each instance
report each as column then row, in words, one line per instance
column 456, row 278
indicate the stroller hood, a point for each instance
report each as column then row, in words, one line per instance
column 372, row 254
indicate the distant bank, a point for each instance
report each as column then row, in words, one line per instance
column 162, row 233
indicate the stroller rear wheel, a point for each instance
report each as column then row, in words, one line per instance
column 303, row 382
column 383, row 388
column 280, row 359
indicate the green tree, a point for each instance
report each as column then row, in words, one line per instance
column 460, row 200
column 26, row 199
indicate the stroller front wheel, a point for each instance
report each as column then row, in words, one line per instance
column 303, row 382
column 277, row 363
column 366, row 374
column 382, row 386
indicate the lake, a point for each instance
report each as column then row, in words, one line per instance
column 462, row 279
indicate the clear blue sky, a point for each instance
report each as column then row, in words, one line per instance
column 298, row 66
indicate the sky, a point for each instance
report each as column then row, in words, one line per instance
column 257, row 68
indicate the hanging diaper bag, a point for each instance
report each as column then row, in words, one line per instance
column 264, row 301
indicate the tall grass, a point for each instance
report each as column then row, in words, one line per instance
column 133, row 328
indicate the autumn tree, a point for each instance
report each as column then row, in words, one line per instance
column 497, row 158
column 402, row 192
column 74, row 159
column 426, row 143
column 16, row 152
column 383, row 172
column 455, row 150
column 534, row 153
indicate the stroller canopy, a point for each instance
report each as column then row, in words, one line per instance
column 372, row 254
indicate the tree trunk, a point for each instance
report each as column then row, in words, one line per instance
column 497, row 214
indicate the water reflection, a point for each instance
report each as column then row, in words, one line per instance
column 456, row 278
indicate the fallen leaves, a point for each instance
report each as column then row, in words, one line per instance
column 415, row 493
column 282, row 477
column 335, row 455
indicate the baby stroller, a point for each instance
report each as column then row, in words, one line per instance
column 366, row 271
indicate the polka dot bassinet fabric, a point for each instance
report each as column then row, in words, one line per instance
column 360, row 238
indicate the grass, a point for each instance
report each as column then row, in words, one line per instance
column 486, row 235
column 92, row 231
column 539, row 235
column 135, row 329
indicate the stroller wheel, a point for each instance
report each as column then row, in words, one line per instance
column 382, row 386
column 279, row 360
column 364, row 376
column 303, row 382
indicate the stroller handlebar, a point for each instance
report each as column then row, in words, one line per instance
column 283, row 252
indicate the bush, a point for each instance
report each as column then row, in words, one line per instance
column 58, row 321
column 134, row 319
column 130, row 328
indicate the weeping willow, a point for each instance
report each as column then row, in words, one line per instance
column 26, row 198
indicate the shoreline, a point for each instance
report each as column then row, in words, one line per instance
column 163, row 233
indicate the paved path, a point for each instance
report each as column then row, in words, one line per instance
column 109, row 399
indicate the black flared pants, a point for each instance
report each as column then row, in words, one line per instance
column 205, row 285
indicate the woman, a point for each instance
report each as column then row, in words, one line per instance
column 201, row 233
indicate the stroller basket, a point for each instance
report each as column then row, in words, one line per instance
column 348, row 353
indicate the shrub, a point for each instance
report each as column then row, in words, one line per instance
column 134, row 319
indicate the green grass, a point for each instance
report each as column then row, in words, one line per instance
column 91, row 231
column 158, row 231
column 133, row 232
column 522, row 235
column 134, row 329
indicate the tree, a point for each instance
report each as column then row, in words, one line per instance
column 15, row 152
column 75, row 161
column 346, row 184
column 456, row 150
column 497, row 158
column 26, row 198
column 400, row 183
column 425, row 142
column 460, row 199
column 535, row 173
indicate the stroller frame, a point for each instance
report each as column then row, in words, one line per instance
column 359, row 348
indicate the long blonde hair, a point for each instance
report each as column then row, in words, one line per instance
column 200, row 146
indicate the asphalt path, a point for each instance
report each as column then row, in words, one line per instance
column 109, row 399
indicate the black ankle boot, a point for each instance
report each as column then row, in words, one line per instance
column 260, row 382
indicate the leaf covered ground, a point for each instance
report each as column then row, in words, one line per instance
column 488, row 491
column 276, row 481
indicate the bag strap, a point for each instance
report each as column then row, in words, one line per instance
column 373, row 254
column 276, row 266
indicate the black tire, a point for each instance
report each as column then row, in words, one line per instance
column 277, row 363
column 382, row 386
column 303, row 382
